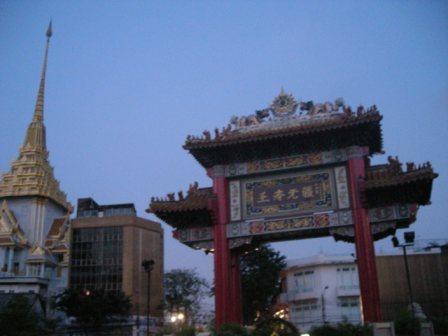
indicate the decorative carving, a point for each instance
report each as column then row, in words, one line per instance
column 10, row 230
column 284, row 105
column 181, row 195
column 394, row 165
column 193, row 188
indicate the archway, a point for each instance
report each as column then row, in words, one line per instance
column 283, row 174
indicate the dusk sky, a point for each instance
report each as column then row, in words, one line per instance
column 128, row 81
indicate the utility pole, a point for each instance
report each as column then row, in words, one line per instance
column 409, row 238
column 148, row 266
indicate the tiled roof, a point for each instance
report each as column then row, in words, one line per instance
column 180, row 212
column 56, row 226
column 340, row 121
column 288, row 136
column 388, row 183
column 197, row 200
column 383, row 176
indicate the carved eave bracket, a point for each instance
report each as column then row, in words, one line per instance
column 58, row 238
column 10, row 232
column 39, row 255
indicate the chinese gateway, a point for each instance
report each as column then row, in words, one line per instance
column 294, row 170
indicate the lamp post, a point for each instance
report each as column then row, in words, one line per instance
column 148, row 266
column 324, row 315
column 409, row 238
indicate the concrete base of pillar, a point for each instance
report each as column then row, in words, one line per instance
column 426, row 329
column 383, row 329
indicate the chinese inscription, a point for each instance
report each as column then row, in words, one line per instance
column 235, row 200
column 297, row 193
column 342, row 187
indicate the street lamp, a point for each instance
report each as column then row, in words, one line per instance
column 409, row 238
column 148, row 266
column 177, row 319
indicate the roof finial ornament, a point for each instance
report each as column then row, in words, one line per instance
column 39, row 109
column 284, row 104
column 49, row 30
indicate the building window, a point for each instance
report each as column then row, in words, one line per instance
column 349, row 308
column 119, row 212
column 96, row 258
column 306, row 311
column 15, row 268
column 34, row 270
column 88, row 213
column 304, row 281
column 347, row 277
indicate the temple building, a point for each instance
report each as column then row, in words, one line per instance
column 34, row 216
column 109, row 243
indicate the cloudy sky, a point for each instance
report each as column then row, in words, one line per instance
column 128, row 81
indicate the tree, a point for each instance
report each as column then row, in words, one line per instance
column 184, row 290
column 92, row 309
column 260, row 281
column 18, row 318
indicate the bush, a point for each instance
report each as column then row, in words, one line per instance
column 325, row 330
column 440, row 325
column 186, row 331
column 232, row 330
column 349, row 329
column 165, row 330
column 275, row 326
column 406, row 324
column 341, row 329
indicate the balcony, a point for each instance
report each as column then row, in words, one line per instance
column 295, row 295
column 11, row 278
column 352, row 290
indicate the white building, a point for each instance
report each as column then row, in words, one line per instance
column 34, row 216
column 321, row 288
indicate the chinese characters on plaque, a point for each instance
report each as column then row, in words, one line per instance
column 295, row 193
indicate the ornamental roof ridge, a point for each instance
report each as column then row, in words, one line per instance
column 194, row 192
column 394, row 168
column 392, row 173
column 196, row 199
column 285, row 113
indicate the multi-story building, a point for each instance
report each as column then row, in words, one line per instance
column 34, row 216
column 325, row 288
column 428, row 272
column 321, row 288
column 108, row 245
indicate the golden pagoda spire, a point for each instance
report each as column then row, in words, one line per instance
column 39, row 109
column 31, row 174
column 35, row 135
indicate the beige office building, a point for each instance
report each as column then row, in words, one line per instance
column 108, row 245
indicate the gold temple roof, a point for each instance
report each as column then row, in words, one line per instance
column 31, row 173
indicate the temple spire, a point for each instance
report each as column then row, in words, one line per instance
column 31, row 174
column 35, row 134
column 39, row 109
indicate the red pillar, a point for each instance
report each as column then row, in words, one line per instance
column 227, row 271
column 365, row 251
column 235, row 283
column 221, row 253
